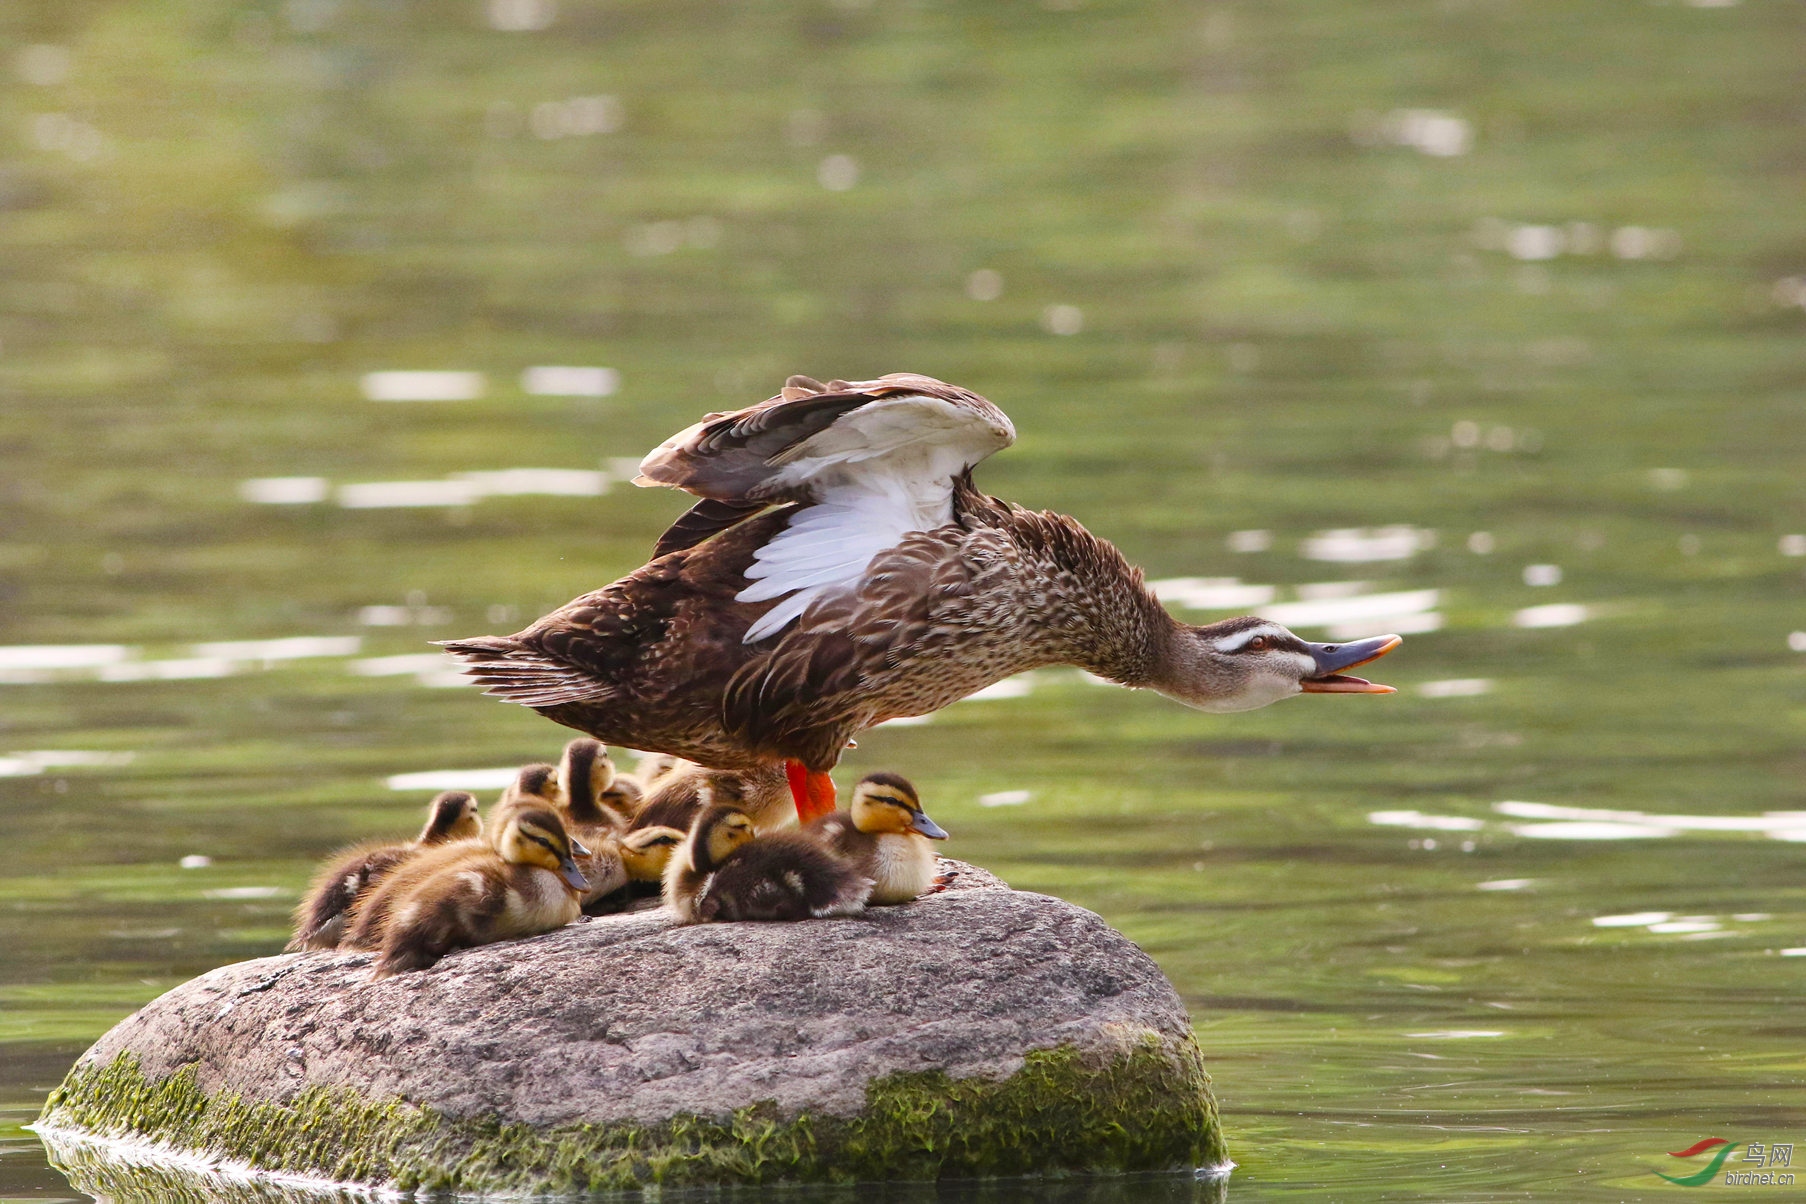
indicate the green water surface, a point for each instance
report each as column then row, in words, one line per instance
column 1526, row 279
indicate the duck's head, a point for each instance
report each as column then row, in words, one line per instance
column 452, row 815
column 585, row 774
column 1241, row 664
column 536, row 836
column 716, row 835
column 885, row 802
column 645, row 852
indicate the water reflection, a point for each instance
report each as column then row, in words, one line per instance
column 132, row 1173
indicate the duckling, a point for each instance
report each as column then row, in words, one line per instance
column 885, row 836
column 653, row 766
column 726, row 871
column 586, row 773
column 624, row 797
column 646, row 852
column 630, row 867
column 535, row 785
column 469, row 894
column 321, row 917
column 686, row 789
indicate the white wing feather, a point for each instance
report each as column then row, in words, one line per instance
column 877, row 474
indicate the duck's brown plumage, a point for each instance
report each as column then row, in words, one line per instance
column 944, row 606
column 655, row 660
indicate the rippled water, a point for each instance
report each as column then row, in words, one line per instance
column 327, row 328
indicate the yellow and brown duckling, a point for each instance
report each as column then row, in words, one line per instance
column 885, row 836
column 652, row 766
column 686, row 789
column 593, row 791
column 726, row 871
column 523, row 883
column 320, row 919
column 536, row 785
column 597, row 810
column 628, row 867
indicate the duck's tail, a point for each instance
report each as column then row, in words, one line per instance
column 508, row 669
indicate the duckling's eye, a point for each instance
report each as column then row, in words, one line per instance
column 1257, row 644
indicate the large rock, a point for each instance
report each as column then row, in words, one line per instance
column 980, row 1031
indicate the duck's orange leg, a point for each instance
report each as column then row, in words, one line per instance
column 821, row 795
column 798, row 775
column 813, row 793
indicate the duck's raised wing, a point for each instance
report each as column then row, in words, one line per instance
column 772, row 452
column 871, row 461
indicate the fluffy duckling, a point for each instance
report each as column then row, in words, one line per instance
column 588, row 787
column 321, row 917
column 624, row 797
column 630, row 866
column 884, row 836
column 725, row 870
column 652, row 766
column 646, row 852
column 536, row 785
column 685, row 790
column 471, row 894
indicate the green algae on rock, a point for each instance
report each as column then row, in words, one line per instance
column 981, row 1032
column 1056, row 1114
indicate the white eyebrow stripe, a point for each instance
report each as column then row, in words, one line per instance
column 1237, row 640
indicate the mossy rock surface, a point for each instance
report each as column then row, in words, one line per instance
column 981, row 1031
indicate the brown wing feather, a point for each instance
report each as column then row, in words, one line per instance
column 582, row 651
column 708, row 517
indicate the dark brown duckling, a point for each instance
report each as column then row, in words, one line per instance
column 471, row 894
column 885, row 836
column 320, row 919
column 725, row 871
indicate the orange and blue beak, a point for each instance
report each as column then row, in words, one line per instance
column 1332, row 659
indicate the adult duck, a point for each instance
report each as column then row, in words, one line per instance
column 841, row 569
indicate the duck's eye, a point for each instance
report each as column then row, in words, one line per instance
column 1257, row 644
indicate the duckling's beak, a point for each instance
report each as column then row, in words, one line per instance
column 927, row 827
column 1333, row 658
column 567, row 869
column 578, row 849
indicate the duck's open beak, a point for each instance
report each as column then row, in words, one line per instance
column 1333, row 658
column 927, row 827
column 567, row 869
